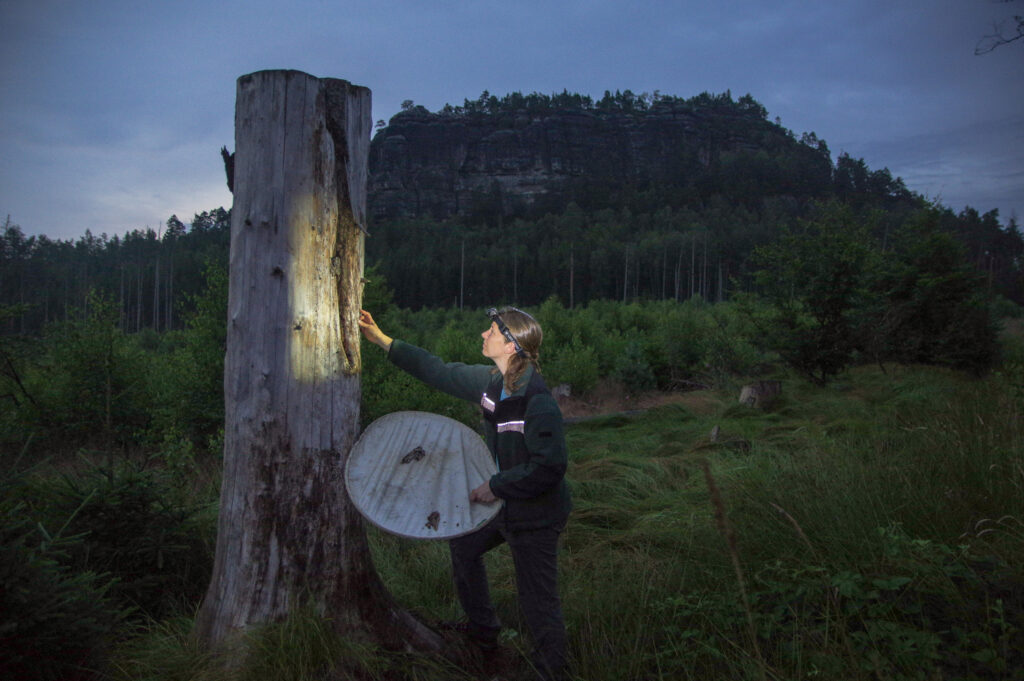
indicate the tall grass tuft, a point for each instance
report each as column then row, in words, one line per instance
column 725, row 528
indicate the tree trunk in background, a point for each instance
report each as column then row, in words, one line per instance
column 625, row 275
column 138, row 298
column 572, row 274
column 287, row 532
column 693, row 267
column 169, row 293
column 156, row 295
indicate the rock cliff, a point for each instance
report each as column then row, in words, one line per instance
column 445, row 164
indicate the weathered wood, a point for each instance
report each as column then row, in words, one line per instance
column 761, row 394
column 287, row 530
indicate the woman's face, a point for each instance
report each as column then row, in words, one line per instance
column 494, row 342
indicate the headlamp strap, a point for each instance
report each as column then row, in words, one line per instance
column 496, row 318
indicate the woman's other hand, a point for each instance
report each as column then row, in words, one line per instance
column 483, row 494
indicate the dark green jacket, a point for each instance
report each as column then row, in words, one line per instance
column 530, row 449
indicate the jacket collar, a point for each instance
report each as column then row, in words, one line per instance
column 524, row 382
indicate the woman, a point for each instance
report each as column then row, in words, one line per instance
column 524, row 431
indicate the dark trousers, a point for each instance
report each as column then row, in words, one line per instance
column 535, row 556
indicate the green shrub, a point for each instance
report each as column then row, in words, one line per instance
column 926, row 607
column 934, row 306
column 134, row 525
column 55, row 623
column 728, row 351
column 187, row 377
column 88, row 382
column 633, row 369
column 575, row 364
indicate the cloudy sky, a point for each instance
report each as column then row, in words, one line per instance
column 112, row 112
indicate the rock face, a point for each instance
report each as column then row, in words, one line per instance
column 445, row 164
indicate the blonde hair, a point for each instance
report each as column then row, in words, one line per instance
column 528, row 333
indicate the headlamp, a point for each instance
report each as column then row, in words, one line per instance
column 496, row 318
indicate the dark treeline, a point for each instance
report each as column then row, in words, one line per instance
column 619, row 254
column 576, row 255
column 150, row 276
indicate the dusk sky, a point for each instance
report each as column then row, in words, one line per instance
column 113, row 113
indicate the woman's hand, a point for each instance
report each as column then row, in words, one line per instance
column 483, row 494
column 372, row 332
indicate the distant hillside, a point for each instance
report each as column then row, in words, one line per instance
column 625, row 198
column 529, row 154
column 647, row 196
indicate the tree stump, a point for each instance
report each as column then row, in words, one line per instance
column 287, row 531
column 761, row 395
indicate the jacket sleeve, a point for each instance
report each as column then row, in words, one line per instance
column 465, row 381
column 545, row 442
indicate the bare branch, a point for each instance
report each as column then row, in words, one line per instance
column 1002, row 34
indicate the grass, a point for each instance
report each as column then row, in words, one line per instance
column 878, row 480
column 872, row 529
column 875, row 526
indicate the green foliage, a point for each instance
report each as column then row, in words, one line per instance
column 924, row 454
column 302, row 647
column 633, row 369
column 621, row 102
column 188, row 381
column 902, row 620
column 55, row 622
column 728, row 345
column 89, row 379
column 299, row 648
column 849, row 508
column 934, row 305
column 918, row 448
column 15, row 352
column 146, row 273
column 830, row 295
column 377, row 295
column 133, row 524
column 680, row 226
column 575, row 364
column 167, row 650
column 812, row 282
column 921, row 453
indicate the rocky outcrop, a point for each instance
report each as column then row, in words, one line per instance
column 444, row 164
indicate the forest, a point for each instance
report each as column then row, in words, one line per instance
column 867, row 526
column 576, row 255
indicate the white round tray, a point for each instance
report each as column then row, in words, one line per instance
column 411, row 473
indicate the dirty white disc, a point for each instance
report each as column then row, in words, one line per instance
column 411, row 473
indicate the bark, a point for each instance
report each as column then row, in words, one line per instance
column 287, row 531
column 762, row 394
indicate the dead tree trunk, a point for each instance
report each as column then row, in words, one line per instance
column 287, row 531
